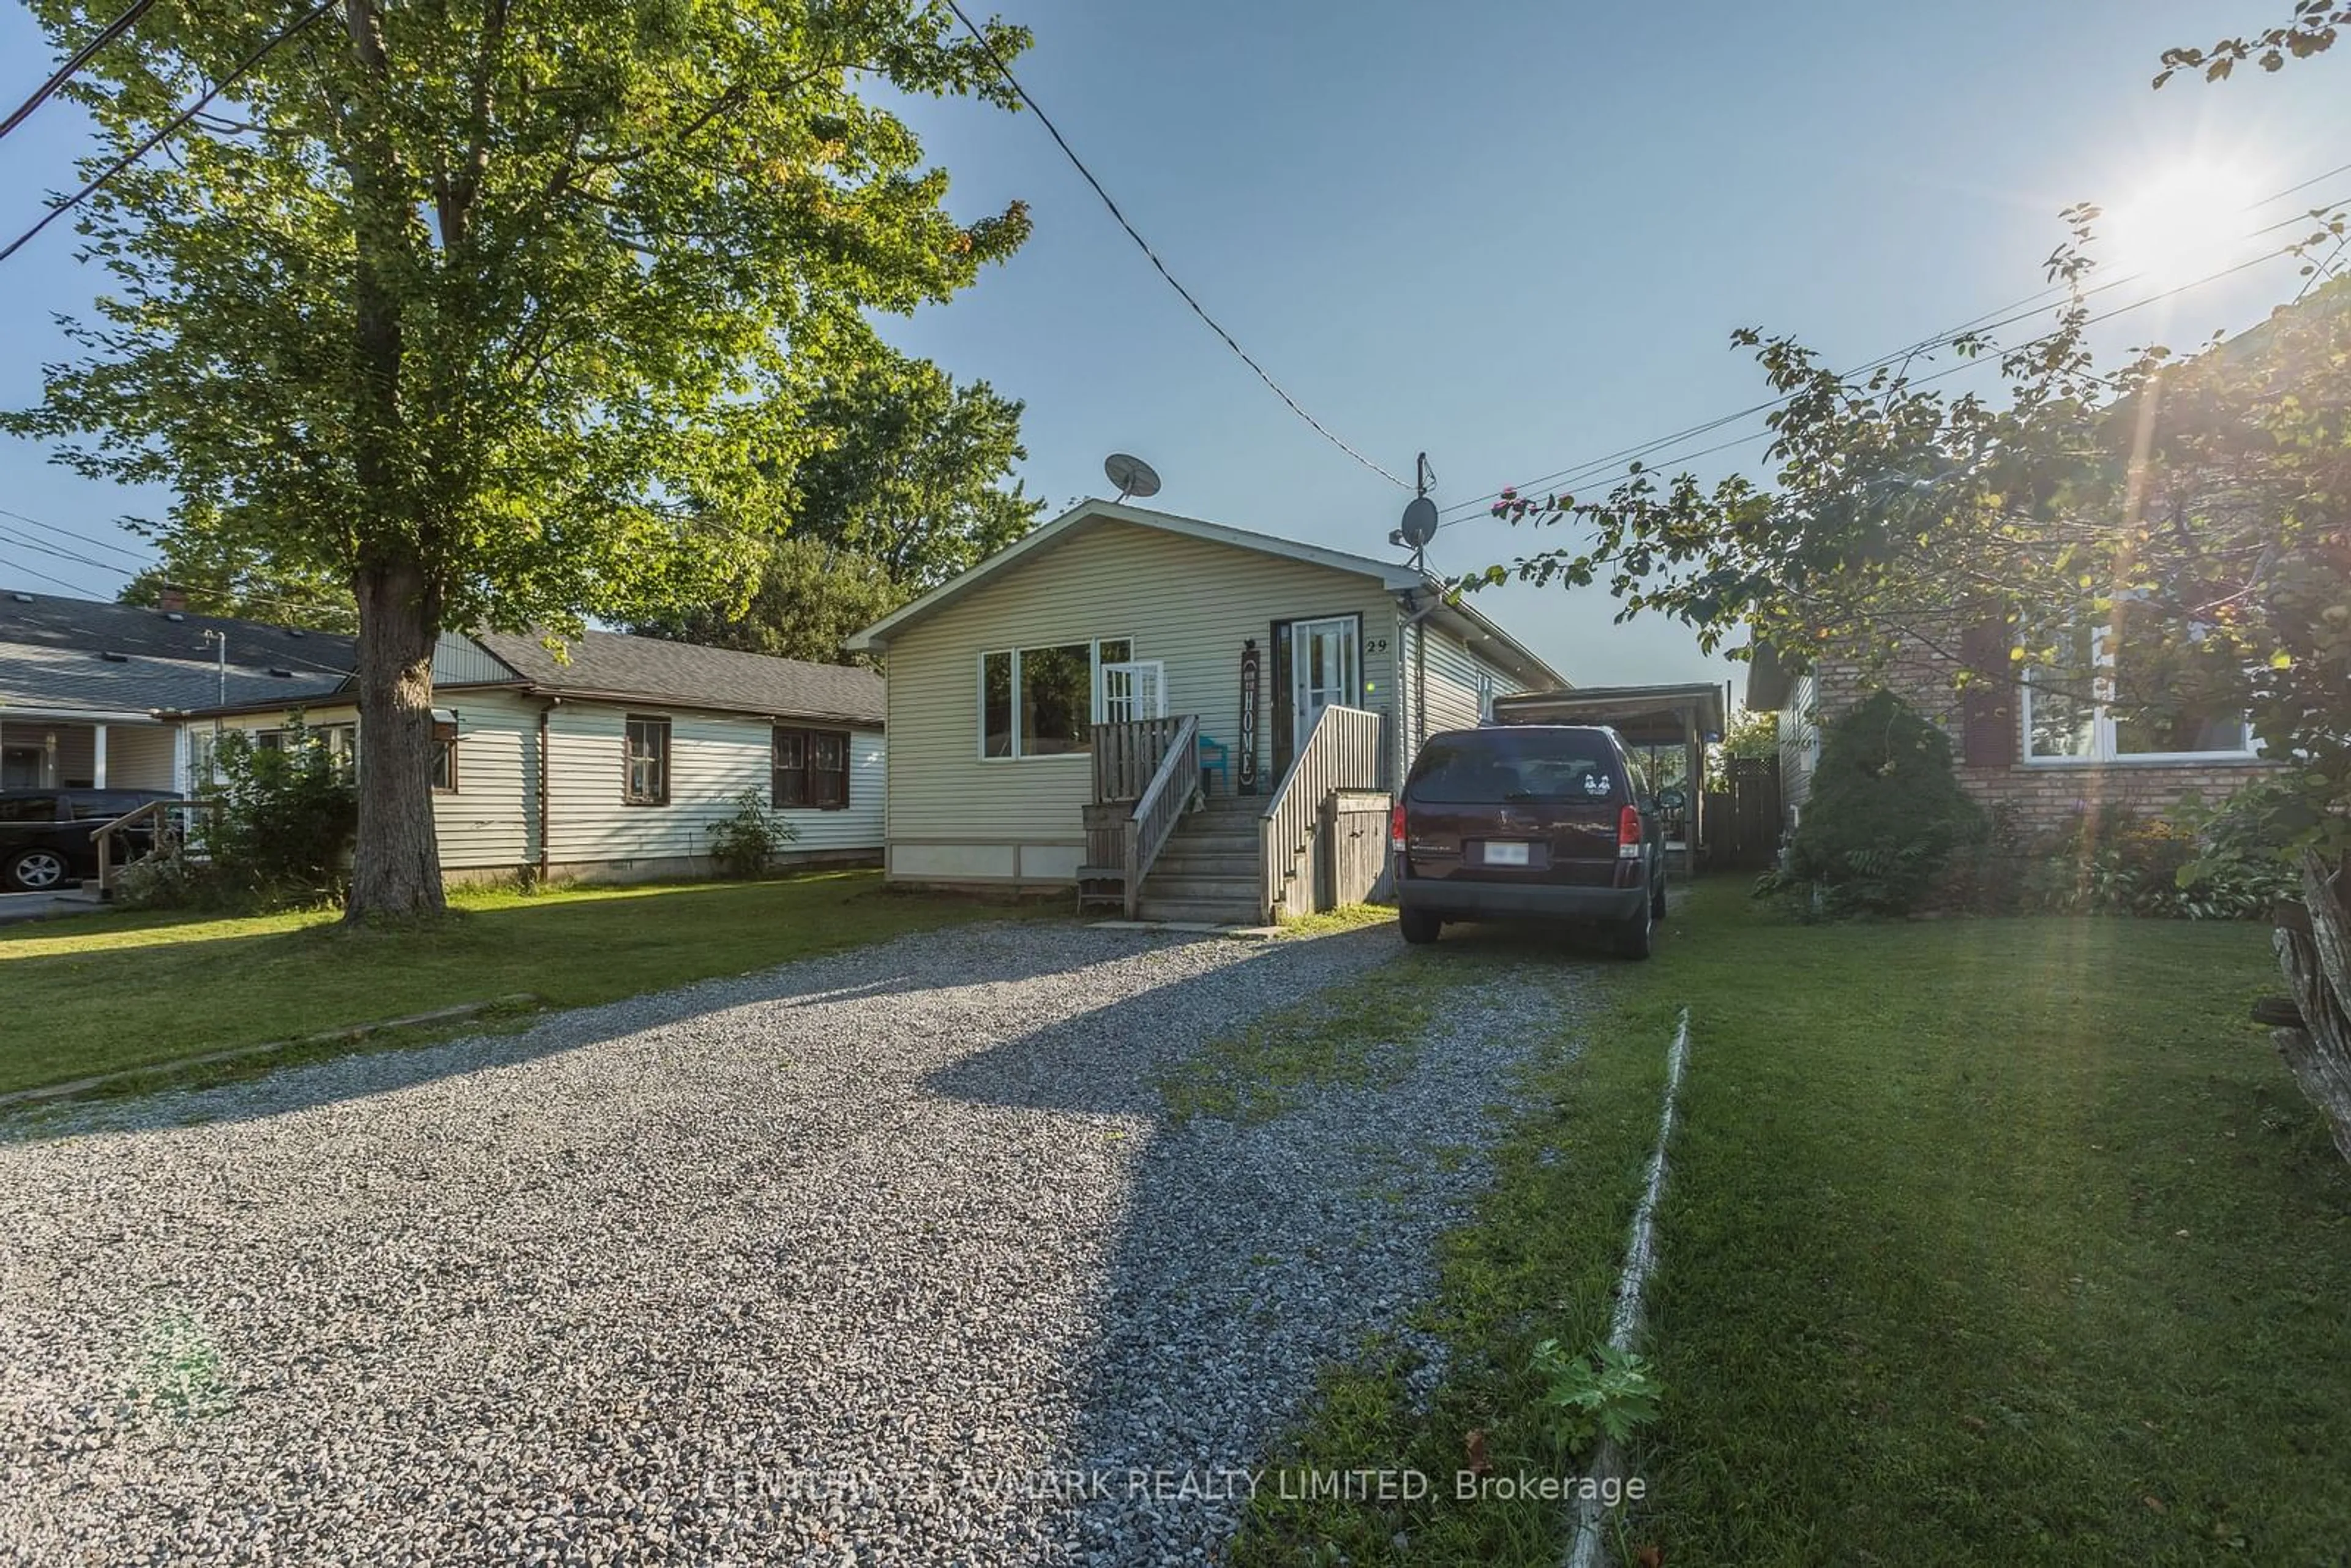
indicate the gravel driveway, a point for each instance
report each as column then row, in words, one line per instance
column 882, row 1257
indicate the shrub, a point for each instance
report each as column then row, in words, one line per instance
column 284, row 818
column 746, row 844
column 1885, row 813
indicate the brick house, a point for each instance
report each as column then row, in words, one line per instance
column 2043, row 750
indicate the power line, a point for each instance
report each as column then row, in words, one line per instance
column 15, row 536
column 1922, row 381
column 89, row 540
column 2006, row 315
column 69, row 587
column 80, row 57
column 169, row 126
column 1152, row 256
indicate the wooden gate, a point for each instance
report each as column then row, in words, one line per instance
column 1742, row 819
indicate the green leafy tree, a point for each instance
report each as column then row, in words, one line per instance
column 2190, row 515
column 1754, row 735
column 487, row 307
column 805, row 599
column 909, row 468
column 221, row 576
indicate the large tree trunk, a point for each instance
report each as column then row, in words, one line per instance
column 397, row 869
column 2315, row 955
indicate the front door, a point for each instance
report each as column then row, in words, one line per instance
column 1325, row 671
column 21, row 767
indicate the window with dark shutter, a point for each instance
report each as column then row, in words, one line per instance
column 1987, row 705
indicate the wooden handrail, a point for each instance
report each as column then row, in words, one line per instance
column 154, row 811
column 1341, row 753
column 1162, row 801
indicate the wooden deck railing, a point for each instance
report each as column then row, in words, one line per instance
column 166, row 821
column 1126, row 755
column 1342, row 753
column 1168, row 791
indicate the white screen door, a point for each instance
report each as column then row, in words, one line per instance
column 1323, row 670
column 1132, row 690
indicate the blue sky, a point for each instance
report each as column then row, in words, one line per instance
column 1514, row 235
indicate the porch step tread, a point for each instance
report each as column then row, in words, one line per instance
column 1241, row 888
column 1211, row 844
column 1237, row 864
column 1214, row 912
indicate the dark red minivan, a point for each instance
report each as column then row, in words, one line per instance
column 1527, row 821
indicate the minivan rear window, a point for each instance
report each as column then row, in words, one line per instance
column 1493, row 766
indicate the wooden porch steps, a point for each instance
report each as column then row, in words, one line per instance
column 1208, row 872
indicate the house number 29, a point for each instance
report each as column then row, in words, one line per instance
column 1377, row 645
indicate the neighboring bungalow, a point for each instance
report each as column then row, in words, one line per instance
column 90, row 693
column 612, row 762
column 1045, row 707
column 2039, row 753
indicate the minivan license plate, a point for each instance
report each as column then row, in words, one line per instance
column 1506, row 854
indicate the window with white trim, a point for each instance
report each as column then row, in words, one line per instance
column 2113, row 695
column 1044, row 702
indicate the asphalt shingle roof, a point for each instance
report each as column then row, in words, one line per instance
column 52, row 655
column 683, row 674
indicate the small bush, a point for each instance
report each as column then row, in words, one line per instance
column 746, row 844
column 280, row 831
column 1885, row 814
column 285, row 819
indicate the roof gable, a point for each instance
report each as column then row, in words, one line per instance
column 1090, row 514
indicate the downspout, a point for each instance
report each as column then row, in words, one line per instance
column 545, row 775
column 1415, row 699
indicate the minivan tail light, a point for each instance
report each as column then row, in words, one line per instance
column 1628, row 833
column 1395, row 828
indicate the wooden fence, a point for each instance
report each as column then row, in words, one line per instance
column 1741, row 820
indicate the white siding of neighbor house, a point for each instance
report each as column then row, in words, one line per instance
column 1188, row 602
column 491, row 822
column 137, row 756
column 713, row 758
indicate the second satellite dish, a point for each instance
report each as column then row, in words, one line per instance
column 1420, row 521
column 1133, row 476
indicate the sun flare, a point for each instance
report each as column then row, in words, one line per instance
column 2182, row 220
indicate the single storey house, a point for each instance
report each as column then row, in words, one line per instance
column 90, row 693
column 613, row 761
column 1054, row 710
column 2039, row 747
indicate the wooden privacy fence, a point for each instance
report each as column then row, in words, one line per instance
column 1342, row 754
column 1741, row 820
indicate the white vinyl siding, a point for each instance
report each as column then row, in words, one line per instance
column 1457, row 681
column 137, row 756
column 712, row 758
column 1188, row 604
column 491, row 821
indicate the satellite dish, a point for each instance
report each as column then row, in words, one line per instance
column 1132, row 475
column 1420, row 521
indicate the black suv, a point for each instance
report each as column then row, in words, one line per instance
column 44, row 842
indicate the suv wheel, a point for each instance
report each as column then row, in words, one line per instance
column 1636, row 938
column 1418, row 925
column 37, row 871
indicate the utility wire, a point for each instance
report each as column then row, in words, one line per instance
column 1152, row 256
column 170, row 126
column 1591, row 476
column 16, row 537
column 80, row 57
column 1990, row 321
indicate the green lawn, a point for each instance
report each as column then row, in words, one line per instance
column 101, row 993
column 1986, row 1242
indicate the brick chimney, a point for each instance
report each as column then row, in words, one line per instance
column 171, row 601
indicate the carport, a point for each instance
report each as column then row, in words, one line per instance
column 1689, row 716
